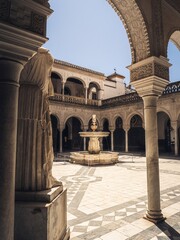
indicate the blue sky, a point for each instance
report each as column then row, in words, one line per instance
column 89, row 33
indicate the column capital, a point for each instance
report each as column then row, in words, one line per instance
column 22, row 28
column 150, row 86
column 152, row 66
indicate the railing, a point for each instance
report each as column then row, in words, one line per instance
column 172, row 88
column 73, row 99
column 92, row 102
column 123, row 99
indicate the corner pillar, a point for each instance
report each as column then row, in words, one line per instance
column 126, row 140
column 112, row 139
column 149, row 77
column 9, row 78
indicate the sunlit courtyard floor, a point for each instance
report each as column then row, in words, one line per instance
column 108, row 202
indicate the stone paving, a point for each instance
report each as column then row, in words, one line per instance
column 108, row 202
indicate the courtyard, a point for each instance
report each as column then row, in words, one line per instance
column 109, row 202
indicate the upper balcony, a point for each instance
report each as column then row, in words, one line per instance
column 171, row 88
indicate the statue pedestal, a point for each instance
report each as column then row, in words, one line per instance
column 41, row 215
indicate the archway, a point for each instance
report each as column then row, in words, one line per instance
column 70, row 135
column 106, row 141
column 119, row 135
column 56, row 81
column 178, row 138
column 173, row 53
column 136, row 135
column 165, row 140
column 74, row 87
column 55, row 134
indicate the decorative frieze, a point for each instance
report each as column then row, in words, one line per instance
column 22, row 14
column 38, row 24
column 151, row 66
column 142, row 72
column 43, row 2
column 135, row 27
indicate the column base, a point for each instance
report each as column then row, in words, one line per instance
column 43, row 217
column 154, row 216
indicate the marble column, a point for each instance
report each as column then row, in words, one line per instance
column 60, row 139
column 9, row 78
column 126, row 139
column 85, row 139
column 63, row 85
column 86, row 94
column 100, row 97
column 152, row 158
column 174, row 125
column 112, row 139
column 150, row 86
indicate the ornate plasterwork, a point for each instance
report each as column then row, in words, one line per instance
column 135, row 26
column 175, row 38
column 152, row 66
column 27, row 15
column 43, row 2
column 150, row 69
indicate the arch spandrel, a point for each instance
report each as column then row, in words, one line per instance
column 135, row 26
column 175, row 38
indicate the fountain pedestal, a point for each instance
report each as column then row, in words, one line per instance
column 94, row 156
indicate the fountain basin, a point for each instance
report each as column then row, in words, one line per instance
column 103, row 158
column 94, row 145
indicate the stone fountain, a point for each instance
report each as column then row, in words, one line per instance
column 94, row 155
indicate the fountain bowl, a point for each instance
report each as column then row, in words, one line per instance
column 85, row 158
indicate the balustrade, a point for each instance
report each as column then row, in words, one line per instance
column 123, row 99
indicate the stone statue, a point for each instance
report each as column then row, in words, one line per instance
column 34, row 137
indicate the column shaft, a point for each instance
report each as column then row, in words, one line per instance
column 86, row 95
column 60, row 140
column 126, row 141
column 153, row 186
column 112, row 140
column 9, row 79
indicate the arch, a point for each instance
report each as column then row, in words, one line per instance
column 128, row 119
column 76, row 86
column 119, row 135
column 75, row 116
column 93, row 90
column 78, row 79
column 70, row 135
column 106, row 141
column 95, row 84
column 56, row 79
column 136, row 134
column 55, row 133
column 164, row 132
column 162, row 109
column 134, row 23
column 115, row 118
column 175, row 38
column 102, row 120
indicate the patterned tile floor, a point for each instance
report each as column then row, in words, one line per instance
column 108, row 202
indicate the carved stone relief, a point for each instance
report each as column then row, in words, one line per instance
column 23, row 16
column 150, row 69
column 135, row 26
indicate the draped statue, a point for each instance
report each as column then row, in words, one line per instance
column 34, row 136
